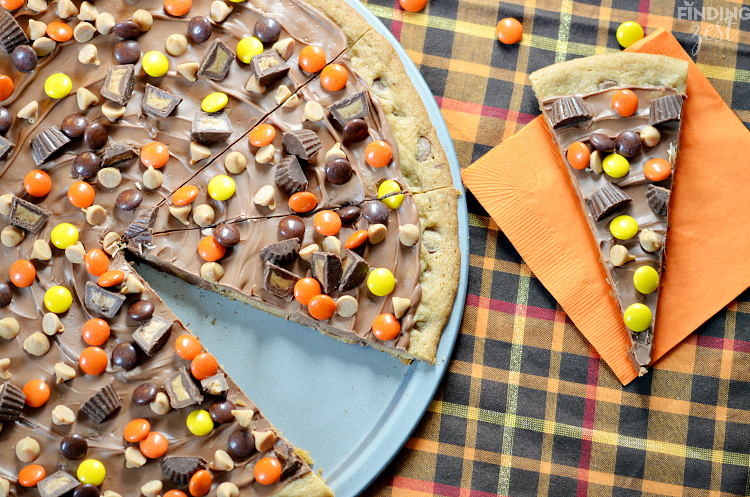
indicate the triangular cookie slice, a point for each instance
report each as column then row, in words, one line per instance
column 616, row 120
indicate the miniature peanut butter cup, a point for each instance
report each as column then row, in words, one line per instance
column 57, row 484
column 152, row 335
column 664, row 109
column 607, row 200
column 102, row 301
column 11, row 34
column 179, row 469
column 12, row 400
column 119, row 84
column 281, row 253
column 304, row 143
column 211, row 128
column 354, row 272
column 354, row 107
column 47, row 143
column 658, row 199
column 117, row 153
column 279, row 281
column 215, row 385
column 102, row 404
column 140, row 230
column 290, row 177
column 216, row 61
column 268, row 67
column 569, row 110
column 158, row 102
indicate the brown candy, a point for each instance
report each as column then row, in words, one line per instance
column 125, row 356
column 290, row 177
column 215, row 385
column 569, row 110
column 279, row 281
column 129, row 199
column 339, row 171
column 73, row 446
column 95, row 136
column 240, row 444
column 181, row 390
column 326, row 268
column 281, row 253
column 127, row 51
column 607, row 200
column 211, row 128
column 303, row 143
column 86, row 164
column 47, row 143
column 356, row 130
column 144, row 394
column 73, row 125
column 127, row 29
column 158, row 102
column 6, row 295
column 628, row 143
column 102, row 301
column 119, row 84
column 26, row 215
column 141, row 310
column 267, row 29
column 292, row 227
column 102, row 404
column 350, row 214
column 227, row 235
column 199, row 29
column 6, row 119
column 602, row 142
column 220, row 411
column 216, row 61
column 268, row 67
column 375, row 212
column 354, row 107
column 152, row 335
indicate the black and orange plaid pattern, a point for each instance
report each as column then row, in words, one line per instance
column 527, row 407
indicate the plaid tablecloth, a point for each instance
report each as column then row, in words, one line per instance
column 527, row 407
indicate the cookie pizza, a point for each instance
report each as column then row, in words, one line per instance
column 273, row 151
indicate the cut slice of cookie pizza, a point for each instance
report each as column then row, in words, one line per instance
column 616, row 121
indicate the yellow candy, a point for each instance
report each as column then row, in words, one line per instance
column 214, row 102
column 155, row 64
column 64, row 235
column 388, row 187
column 58, row 86
column 637, row 317
column 91, row 471
column 200, row 423
column 646, row 279
column 628, row 33
column 221, row 187
column 623, row 227
column 616, row 165
column 248, row 47
column 381, row 282
column 58, row 299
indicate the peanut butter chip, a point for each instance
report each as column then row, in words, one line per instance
column 109, row 177
column 66, row 8
column 113, row 111
column 63, row 373
column 408, row 234
column 244, row 417
column 313, row 112
column 332, row 245
column 376, row 233
column 9, row 328
column 134, row 458
column 198, row 152
column 235, row 162
column 650, row 136
column 188, row 70
column 285, row 47
column 51, row 324
column 335, row 153
column 203, row 215
column 400, row 306
column 111, row 243
column 37, row 5
column 30, row 112
column 63, row 415
column 132, row 285
column 95, row 215
column 291, row 101
column 220, row 11
column 282, row 93
column 41, row 251
column 264, row 440
column 5, row 203
column 265, row 197
column 176, row 45
column 227, row 489
column 83, row 32
column 85, row 98
column 160, row 405
column 36, row 344
column 75, row 253
column 181, row 213
column 43, row 46
column 88, row 12
column 152, row 488
column 346, row 306
column 12, row 236
column 4, row 369
column 253, row 87
column 619, row 255
column 104, row 23
column 27, row 449
column 143, row 19
column 36, row 29
column 265, row 155
column 306, row 252
column 222, row 462
column 212, row 271
column 650, row 241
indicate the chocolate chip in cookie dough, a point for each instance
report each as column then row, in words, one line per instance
column 12, row 400
column 102, row 404
column 569, row 110
column 216, row 61
column 181, row 390
column 290, row 177
column 211, row 128
column 26, row 215
column 664, row 109
column 658, row 199
column 281, row 253
column 158, row 102
column 268, row 67
column 118, row 153
column 119, row 84
column 152, row 335
column 11, row 34
column 180, row 469
column 354, row 107
column 607, row 200
column 47, row 143
column 57, row 484
column 102, row 301
column 326, row 268
column 279, row 281
column 304, row 143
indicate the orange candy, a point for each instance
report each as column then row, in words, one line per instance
column 175, row 493
column 93, row 361
column 657, row 169
column 36, row 392
column 200, row 483
column 625, row 102
column 12, row 4
column 137, row 430
column 6, row 87
column 37, row 183
column 303, row 202
column 509, row 31
column 321, row 307
column 187, row 347
column 59, row 31
column 386, row 327
column 267, row 470
column 579, row 156
column 305, row 289
column 378, row 153
column 262, row 135
column 154, row 154
column 356, row 239
column 210, row 250
column 96, row 261
column 22, row 273
column 154, row 445
column 204, row 366
column 185, row 195
column 312, row 58
column 81, row 194
column 31, row 475
column 111, row 278
column 95, row 332
column 333, row 77
column 178, row 7
column 327, row 223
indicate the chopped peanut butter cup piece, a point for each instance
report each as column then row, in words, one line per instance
column 268, row 67
column 103, row 301
column 158, row 102
column 119, row 84
column 354, row 107
column 281, row 253
column 326, row 268
column 152, row 335
column 216, row 62
column 279, row 281
column 211, row 128
column 181, row 390
column 26, row 215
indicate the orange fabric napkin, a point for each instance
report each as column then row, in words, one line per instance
column 524, row 186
